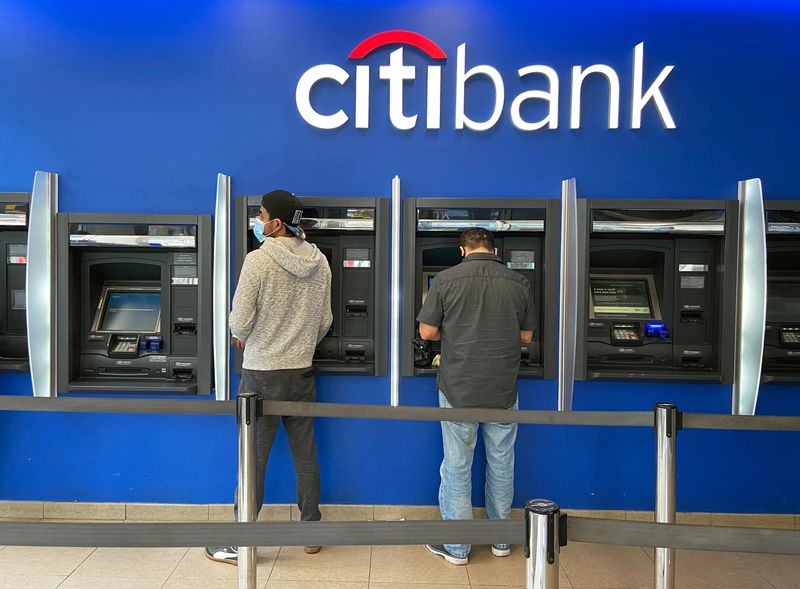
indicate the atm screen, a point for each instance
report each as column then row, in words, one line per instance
column 620, row 297
column 427, row 278
column 130, row 310
column 783, row 301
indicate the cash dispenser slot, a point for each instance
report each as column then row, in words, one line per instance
column 781, row 360
column 655, row 289
column 13, row 245
column 352, row 234
column 432, row 227
column 134, row 312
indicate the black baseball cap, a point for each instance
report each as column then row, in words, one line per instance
column 283, row 205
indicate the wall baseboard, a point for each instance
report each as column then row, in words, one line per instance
column 171, row 512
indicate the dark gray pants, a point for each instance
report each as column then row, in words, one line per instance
column 286, row 385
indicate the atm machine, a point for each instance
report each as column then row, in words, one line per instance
column 134, row 303
column 526, row 236
column 781, row 360
column 353, row 233
column 657, row 284
column 14, row 245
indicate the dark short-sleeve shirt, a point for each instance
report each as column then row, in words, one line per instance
column 480, row 306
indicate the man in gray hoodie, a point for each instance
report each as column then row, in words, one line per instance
column 281, row 311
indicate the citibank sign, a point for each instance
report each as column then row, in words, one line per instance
column 397, row 72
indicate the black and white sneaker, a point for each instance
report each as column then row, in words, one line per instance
column 440, row 550
column 501, row 549
column 228, row 554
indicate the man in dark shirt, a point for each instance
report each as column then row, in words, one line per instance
column 481, row 311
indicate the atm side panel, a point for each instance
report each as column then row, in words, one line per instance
column 525, row 250
column 357, row 300
column 328, row 348
column 696, row 311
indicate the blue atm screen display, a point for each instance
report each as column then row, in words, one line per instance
column 132, row 311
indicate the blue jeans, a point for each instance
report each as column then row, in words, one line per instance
column 455, row 491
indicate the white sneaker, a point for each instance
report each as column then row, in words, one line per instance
column 440, row 550
column 501, row 550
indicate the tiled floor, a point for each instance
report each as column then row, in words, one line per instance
column 584, row 566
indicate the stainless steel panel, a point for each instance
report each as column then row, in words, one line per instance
column 694, row 228
column 494, row 226
column 394, row 371
column 13, row 219
column 40, row 284
column 173, row 241
column 568, row 294
column 785, row 228
column 221, row 298
column 752, row 298
column 315, row 224
column 692, row 267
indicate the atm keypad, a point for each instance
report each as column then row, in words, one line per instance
column 790, row 336
column 625, row 334
column 125, row 347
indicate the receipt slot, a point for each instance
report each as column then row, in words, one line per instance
column 657, row 290
column 14, row 246
column 526, row 237
column 134, row 303
column 781, row 360
column 352, row 233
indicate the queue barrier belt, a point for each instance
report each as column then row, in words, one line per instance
column 364, row 533
column 406, row 413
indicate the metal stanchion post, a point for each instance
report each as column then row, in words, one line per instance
column 667, row 418
column 543, row 543
column 246, row 416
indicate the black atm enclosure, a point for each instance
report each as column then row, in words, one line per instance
column 353, row 234
column 782, row 334
column 526, row 235
column 14, row 246
column 657, row 289
column 134, row 303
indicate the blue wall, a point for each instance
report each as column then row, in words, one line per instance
column 138, row 105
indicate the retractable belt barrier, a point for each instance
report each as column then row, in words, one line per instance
column 407, row 413
column 394, row 533
column 542, row 532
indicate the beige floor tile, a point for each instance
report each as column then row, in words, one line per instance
column 276, row 513
column 128, row 563
column 413, row 564
column 608, row 514
column 30, row 581
column 432, row 585
column 195, row 565
column 206, row 584
column 696, row 519
column 22, row 509
column 165, row 512
column 333, row 563
column 640, row 516
column 753, row 520
column 74, row 582
column 782, row 570
column 315, row 585
column 409, row 512
column 487, row 570
column 85, row 511
column 335, row 513
column 41, row 560
column 597, row 565
column 700, row 569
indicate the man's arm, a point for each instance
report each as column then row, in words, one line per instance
column 431, row 315
column 429, row 332
column 245, row 300
column 327, row 317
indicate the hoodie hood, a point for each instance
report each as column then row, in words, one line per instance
column 296, row 256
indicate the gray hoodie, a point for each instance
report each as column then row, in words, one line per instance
column 282, row 305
